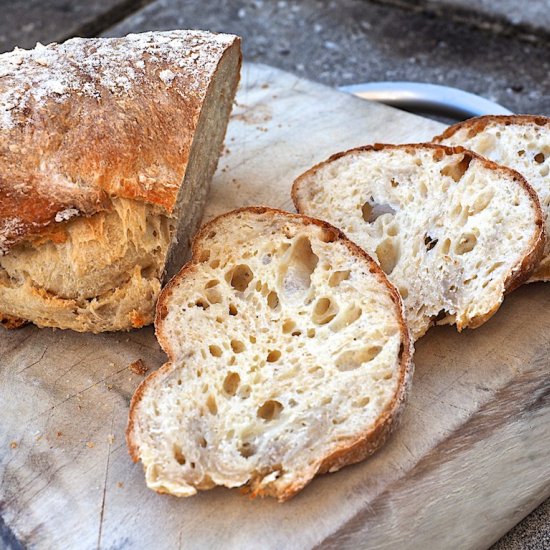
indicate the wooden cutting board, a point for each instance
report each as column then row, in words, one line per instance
column 471, row 457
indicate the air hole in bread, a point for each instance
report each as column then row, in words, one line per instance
column 521, row 152
column 481, row 202
column 296, row 274
column 213, row 295
column 466, row 243
column 202, row 303
column 215, row 351
column 457, row 170
column 429, row 242
column 328, row 235
column 231, row 383
column 310, row 333
column 239, row 277
column 244, row 391
column 353, row 359
column 237, row 346
column 324, row 311
column 252, row 339
column 232, row 309
column 273, row 300
column 403, row 291
column 288, row 326
column 494, row 267
column 346, row 318
column 246, row 449
column 204, row 256
column 337, row 277
column 215, row 263
column 211, row 284
column 202, row 442
column 422, row 187
column 540, row 158
column 270, row 410
column 387, row 253
column 394, row 183
column 178, row 455
column 363, row 402
column 544, row 171
column 371, row 211
column 273, row 355
column 317, row 371
column 211, row 404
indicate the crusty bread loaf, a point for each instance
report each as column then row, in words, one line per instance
column 453, row 231
column 521, row 142
column 288, row 357
column 107, row 147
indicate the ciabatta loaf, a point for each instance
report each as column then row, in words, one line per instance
column 288, row 357
column 453, row 231
column 107, row 147
column 521, row 142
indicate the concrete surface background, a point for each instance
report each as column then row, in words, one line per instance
column 499, row 49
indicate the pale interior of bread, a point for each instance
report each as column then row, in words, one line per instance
column 108, row 272
column 447, row 231
column 525, row 148
column 106, row 269
column 284, row 348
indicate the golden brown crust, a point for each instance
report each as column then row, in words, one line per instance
column 66, row 153
column 10, row 322
column 520, row 272
column 478, row 124
column 349, row 452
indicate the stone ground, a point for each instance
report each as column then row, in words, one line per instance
column 498, row 49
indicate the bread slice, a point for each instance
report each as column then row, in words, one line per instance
column 453, row 231
column 288, row 357
column 521, row 142
column 107, row 148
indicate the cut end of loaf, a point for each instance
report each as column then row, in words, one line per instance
column 288, row 357
column 453, row 231
column 104, row 217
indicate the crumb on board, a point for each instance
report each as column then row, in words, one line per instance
column 120, row 485
column 14, row 445
column 59, row 434
column 90, row 444
column 138, row 367
column 109, row 386
column 111, row 439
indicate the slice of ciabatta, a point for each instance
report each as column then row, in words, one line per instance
column 521, row 142
column 453, row 231
column 288, row 357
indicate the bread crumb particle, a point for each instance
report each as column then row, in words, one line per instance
column 14, row 445
column 120, row 485
column 111, row 439
column 59, row 434
column 138, row 367
column 109, row 386
column 90, row 444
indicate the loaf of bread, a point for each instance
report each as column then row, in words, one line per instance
column 453, row 231
column 521, row 142
column 107, row 147
column 288, row 357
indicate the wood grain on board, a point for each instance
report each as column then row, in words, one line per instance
column 470, row 459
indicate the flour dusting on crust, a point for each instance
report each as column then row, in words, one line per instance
column 93, row 67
